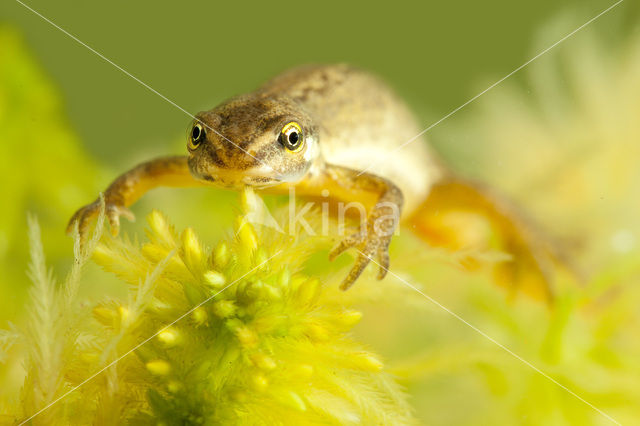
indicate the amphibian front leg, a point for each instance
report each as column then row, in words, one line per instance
column 372, row 241
column 128, row 187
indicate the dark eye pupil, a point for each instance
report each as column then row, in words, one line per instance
column 293, row 138
column 196, row 133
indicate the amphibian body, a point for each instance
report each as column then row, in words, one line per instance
column 318, row 128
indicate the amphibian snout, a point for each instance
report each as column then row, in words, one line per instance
column 258, row 141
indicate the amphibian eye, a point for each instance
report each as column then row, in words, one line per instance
column 291, row 136
column 197, row 136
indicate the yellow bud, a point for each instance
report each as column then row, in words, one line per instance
column 192, row 249
column 246, row 336
column 158, row 367
column 161, row 228
column 303, row 371
column 199, row 315
column 124, row 314
column 248, row 291
column 154, row 252
column 102, row 255
column 308, row 291
column 224, row 308
column 159, row 306
column 294, row 401
column 221, row 255
column 260, row 382
column 284, row 278
column 263, row 362
column 368, row 362
column 317, row 332
column 215, row 279
column 169, row 336
column 104, row 315
column 295, row 281
column 272, row 293
column 349, row 317
column 246, row 235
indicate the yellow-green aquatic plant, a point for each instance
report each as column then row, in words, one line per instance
column 234, row 334
column 42, row 167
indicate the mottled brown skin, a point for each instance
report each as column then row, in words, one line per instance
column 349, row 120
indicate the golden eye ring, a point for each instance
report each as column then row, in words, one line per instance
column 291, row 136
column 197, row 135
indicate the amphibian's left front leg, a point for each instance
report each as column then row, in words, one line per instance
column 372, row 241
column 128, row 187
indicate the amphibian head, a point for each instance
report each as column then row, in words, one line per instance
column 252, row 140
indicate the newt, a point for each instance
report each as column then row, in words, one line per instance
column 334, row 128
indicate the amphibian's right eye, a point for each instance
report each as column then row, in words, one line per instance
column 291, row 136
column 197, row 136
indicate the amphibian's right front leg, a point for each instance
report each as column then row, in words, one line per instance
column 128, row 187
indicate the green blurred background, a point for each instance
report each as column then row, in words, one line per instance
column 197, row 53
column 57, row 156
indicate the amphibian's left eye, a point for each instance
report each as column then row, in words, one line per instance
column 198, row 135
column 291, row 136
